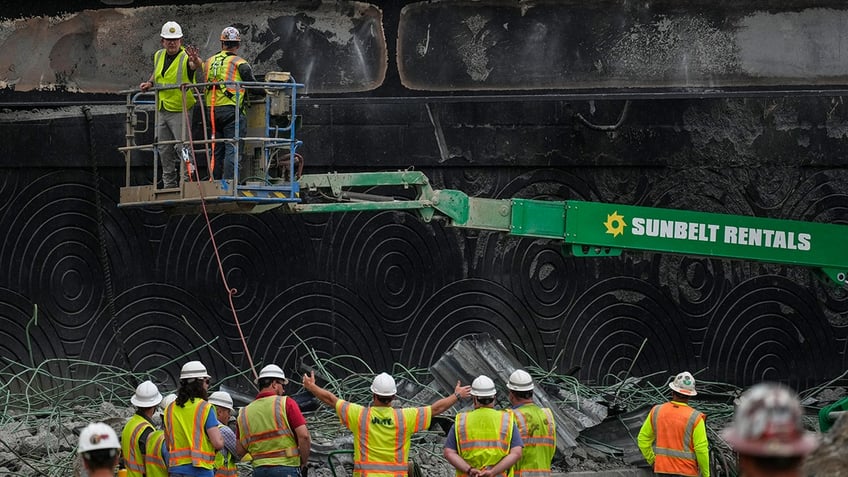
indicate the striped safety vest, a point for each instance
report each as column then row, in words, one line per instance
column 176, row 74
column 674, row 425
column 133, row 458
column 185, row 434
column 264, row 431
column 483, row 437
column 538, row 431
column 154, row 461
column 225, row 467
column 221, row 68
column 381, row 436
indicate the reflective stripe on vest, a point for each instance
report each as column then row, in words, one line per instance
column 185, row 434
column 171, row 99
column 133, row 458
column 154, row 462
column 224, row 467
column 483, row 437
column 538, row 431
column 264, row 431
column 223, row 68
column 674, row 447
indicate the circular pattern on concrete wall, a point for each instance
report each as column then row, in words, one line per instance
column 769, row 329
column 28, row 339
column 606, row 327
column 392, row 260
column 52, row 248
column 260, row 254
column 697, row 284
column 465, row 308
column 334, row 321
column 161, row 326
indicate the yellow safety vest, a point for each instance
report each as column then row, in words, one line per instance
column 175, row 75
column 264, row 432
column 381, row 436
column 538, row 431
column 224, row 468
column 483, row 437
column 133, row 458
column 185, row 433
column 154, row 461
column 220, row 68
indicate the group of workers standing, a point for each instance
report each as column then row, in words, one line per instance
column 175, row 65
column 767, row 433
column 196, row 440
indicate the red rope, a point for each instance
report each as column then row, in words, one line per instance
column 230, row 291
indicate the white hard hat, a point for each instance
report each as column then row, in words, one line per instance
column 272, row 371
column 768, row 422
column 483, row 386
column 96, row 436
column 172, row 31
column 230, row 34
column 384, row 385
column 194, row 370
column 221, row 399
column 520, row 380
column 167, row 400
column 684, row 384
column 146, row 395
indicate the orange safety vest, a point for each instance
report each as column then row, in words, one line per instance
column 264, row 431
column 185, row 433
column 538, row 432
column 483, row 437
column 382, row 436
column 133, row 456
column 674, row 425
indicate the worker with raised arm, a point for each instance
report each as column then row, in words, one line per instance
column 484, row 442
column 99, row 449
column 173, row 65
column 536, row 426
column 191, row 428
column 768, row 433
column 226, row 458
column 273, row 430
column 382, row 433
column 139, row 427
column 673, row 438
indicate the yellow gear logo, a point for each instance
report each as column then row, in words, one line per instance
column 615, row 224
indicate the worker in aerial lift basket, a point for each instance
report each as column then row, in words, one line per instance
column 484, row 442
column 768, row 434
column 679, row 432
column 173, row 65
column 273, row 430
column 139, row 427
column 99, row 449
column 536, row 426
column 382, row 433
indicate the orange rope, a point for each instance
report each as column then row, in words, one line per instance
column 230, row 291
column 212, row 123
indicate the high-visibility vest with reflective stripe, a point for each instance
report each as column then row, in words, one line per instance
column 674, row 425
column 381, row 436
column 175, row 75
column 154, row 462
column 264, row 431
column 185, row 433
column 538, row 431
column 221, row 68
column 483, row 437
column 133, row 458
column 224, row 467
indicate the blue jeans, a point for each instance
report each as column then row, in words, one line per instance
column 226, row 155
column 276, row 471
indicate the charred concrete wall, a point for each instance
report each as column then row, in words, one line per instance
column 136, row 288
